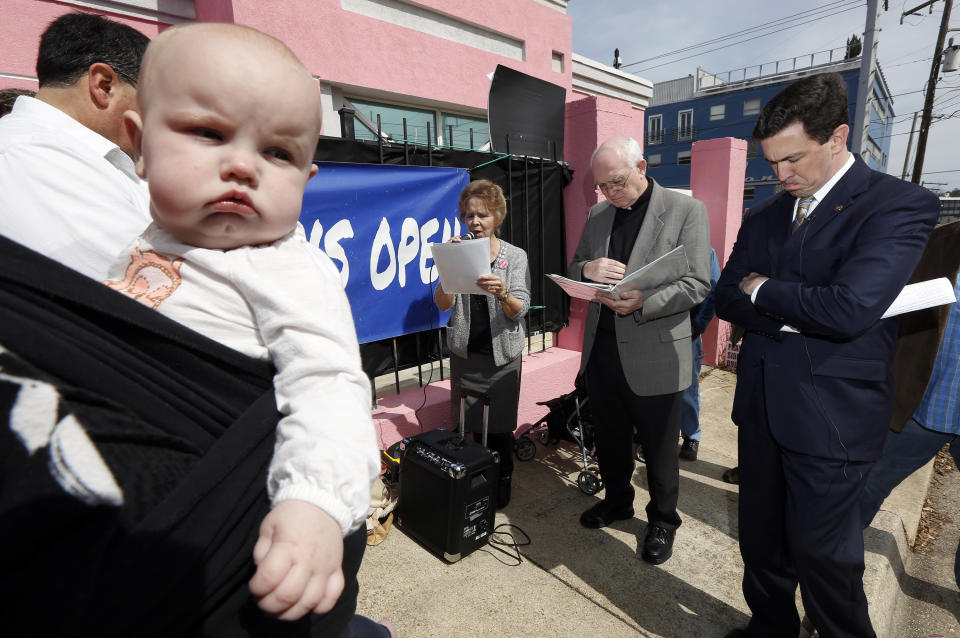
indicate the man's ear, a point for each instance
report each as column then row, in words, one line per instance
column 102, row 80
column 313, row 169
column 134, row 125
column 838, row 139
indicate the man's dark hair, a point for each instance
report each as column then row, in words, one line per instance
column 819, row 102
column 75, row 41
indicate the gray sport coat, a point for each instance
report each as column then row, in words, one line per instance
column 653, row 342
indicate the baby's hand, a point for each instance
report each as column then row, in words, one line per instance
column 298, row 558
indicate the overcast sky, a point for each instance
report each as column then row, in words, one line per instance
column 770, row 31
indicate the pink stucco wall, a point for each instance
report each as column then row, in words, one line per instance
column 590, row 121
column 717, row 169
column 346, row 48
column 22, row 22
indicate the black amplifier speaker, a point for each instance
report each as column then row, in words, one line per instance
column 447, row 493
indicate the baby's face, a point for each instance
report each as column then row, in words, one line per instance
column 228, row 138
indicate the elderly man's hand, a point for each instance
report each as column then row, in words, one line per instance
column 604, row 270
column 630, row 301
column 749, row 283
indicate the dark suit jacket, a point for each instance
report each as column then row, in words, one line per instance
column 827, row 392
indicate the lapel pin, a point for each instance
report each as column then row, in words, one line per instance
column 837, row 209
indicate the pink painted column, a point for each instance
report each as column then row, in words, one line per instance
column 717, row 169
column 589, row 121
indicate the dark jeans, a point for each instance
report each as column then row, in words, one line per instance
column 690, row 418
column 903, row 454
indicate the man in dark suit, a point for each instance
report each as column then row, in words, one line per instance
column 813, row 270
column 637, row 354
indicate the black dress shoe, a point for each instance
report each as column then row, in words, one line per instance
column 658, row 544
column 604, row 513
column 688, row 451
column 732, row 475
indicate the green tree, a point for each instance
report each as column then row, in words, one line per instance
column 854, row 47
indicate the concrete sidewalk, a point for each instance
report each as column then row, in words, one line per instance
column 572, row 581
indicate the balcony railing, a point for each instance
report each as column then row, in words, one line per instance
column 707, row 81
column 685, row 133
column 655, row 137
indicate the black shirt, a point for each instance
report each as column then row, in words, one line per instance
column 481, row 340
column 623, row 235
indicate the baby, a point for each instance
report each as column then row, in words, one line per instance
column 228, row 124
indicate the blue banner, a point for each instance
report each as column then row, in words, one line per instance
column 376, row 223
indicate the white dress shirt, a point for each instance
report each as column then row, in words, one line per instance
column 66, row 191
column 283, row 302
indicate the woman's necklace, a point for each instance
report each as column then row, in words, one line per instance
column 499, row 251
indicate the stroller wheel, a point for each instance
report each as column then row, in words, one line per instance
column 525, row 449
column 589, row 482
column 543, row 436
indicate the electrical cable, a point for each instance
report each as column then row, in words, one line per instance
column 510, row 541
column 747, row 31
column 657, row 66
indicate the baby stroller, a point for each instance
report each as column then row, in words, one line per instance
column 568, row 420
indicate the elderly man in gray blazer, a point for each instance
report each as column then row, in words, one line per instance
column 636, row 350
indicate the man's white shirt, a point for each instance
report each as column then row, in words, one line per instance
column 66, row 191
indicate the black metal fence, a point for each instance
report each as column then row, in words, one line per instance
column 535, row 222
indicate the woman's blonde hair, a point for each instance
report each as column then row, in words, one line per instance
column 487, row 192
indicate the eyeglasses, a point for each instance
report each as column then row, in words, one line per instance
column 615, row 184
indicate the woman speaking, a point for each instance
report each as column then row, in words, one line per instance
column 485, row 332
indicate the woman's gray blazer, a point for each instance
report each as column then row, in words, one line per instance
column 508, row 333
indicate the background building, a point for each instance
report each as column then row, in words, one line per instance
column 708, row 106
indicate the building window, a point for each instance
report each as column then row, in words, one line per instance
column 454, row 131
column 751, row 107
column 749, row 192
column 685, row 125
column 717, row 111
column 653, row 160
column 557, row 62
column 753, row 149
column 683, row 157
column 459, row 135
column 391, row 121
column 655, row 129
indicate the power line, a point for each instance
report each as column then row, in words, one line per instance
column 762, row 35
column 761, row 27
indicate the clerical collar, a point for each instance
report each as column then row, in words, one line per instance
column 644, row 198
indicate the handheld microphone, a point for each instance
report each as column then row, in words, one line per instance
column 467, row 235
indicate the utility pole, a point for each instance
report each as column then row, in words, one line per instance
column 906, row 157
column 868, row 58
column 931, row 90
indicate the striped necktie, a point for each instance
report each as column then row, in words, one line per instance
column 802, row 209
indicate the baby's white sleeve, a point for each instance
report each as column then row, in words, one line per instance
column 326, row 451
